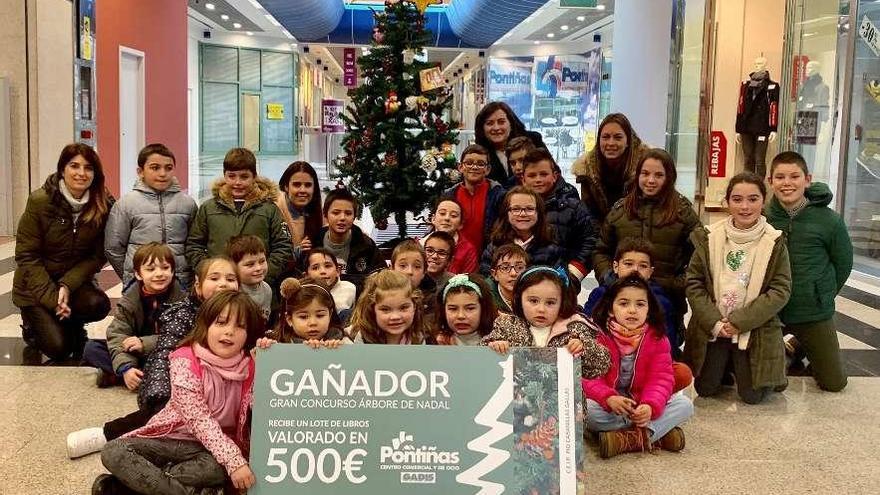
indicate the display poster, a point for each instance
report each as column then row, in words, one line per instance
column 274, row 111
column 566, row 109
column 87, row 29
column 431, row 79
column 405, row 420
column 806, row 129
column 331, row 115
column 510, row 80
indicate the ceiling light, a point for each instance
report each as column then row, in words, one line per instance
column 581, row 18
column 250, row 33
column 236, row 25
column 209, row 6
column 224, row 17
column 550, row 35
column 600, row 7
column 564, row 27
column 537, row 42
column 293, row 45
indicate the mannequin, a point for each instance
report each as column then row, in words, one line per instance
column 814, row 94
column 757, row 116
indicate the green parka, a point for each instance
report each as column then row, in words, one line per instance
column 672, row 247
column 821, row 255
column 218, row 220
column 765, row 348
column 51, row 250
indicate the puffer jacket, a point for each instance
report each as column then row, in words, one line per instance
column 176, row 322
column 143, row 216
column 51, row 250
column 652, row 379
column 188, row 410
column 821, row 255
column 130, row 320
column 218, row 220
column 672, row 247
column 595, row 359
column 573, row 227
column 588, row 172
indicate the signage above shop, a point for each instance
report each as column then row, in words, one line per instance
column 577, row 3
column 349, row 67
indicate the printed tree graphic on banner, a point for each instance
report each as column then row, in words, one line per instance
column 537, row 443
column 498, row 430
column 398, row 153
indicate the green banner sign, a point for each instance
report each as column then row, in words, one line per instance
column 403, row 420
column 577, row 3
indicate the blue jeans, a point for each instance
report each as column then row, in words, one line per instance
column 678, row 410
column 96, row 354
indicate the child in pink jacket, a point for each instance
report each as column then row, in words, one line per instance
column 201, row 436
column 632, row 406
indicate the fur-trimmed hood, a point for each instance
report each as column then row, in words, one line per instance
column 264, row 190
column 587, row 171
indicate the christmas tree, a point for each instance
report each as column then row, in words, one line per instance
column 398, row 152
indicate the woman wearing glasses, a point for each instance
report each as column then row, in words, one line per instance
column 522, row 220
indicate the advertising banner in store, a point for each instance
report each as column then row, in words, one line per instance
column 404, row 420
column 349, row 67
column 510, row 80
column 331, row 111
column 717, row 154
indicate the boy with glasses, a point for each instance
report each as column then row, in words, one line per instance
column 508, row 261
column 439, row 250
column 478, row 196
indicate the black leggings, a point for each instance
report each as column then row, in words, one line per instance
column 58, row 339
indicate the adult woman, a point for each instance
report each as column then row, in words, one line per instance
column 737, row 282
column 300, row 203
column 522, row 220
column 653, row 210
column 59, row 248
column 607, row 172
column 495, row 126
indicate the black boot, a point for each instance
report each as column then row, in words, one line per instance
column 107, row 484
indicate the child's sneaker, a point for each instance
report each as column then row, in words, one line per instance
column 85, row 442
column 672, row 441
column 633, row 439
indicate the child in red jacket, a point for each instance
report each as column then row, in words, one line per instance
column 632, row 406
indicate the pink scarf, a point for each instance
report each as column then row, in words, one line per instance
column 627, row 340
column 220, row 375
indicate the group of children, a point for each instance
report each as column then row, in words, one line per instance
column 187, row 353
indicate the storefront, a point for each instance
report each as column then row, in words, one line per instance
column 818, row 63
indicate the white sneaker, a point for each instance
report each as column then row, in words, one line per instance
column 85, row 442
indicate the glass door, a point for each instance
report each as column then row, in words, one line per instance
column 250, row 121
column 861, row 182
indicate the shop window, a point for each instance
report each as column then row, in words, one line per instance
column 250, row 70
column 219, row 64
column 219, row 108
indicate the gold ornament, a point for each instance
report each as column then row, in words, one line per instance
column 422, row 5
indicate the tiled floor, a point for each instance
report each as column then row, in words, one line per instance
column 800, row 441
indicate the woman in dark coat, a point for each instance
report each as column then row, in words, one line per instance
column 607, row 172
column 495, row 126
column 59, row 249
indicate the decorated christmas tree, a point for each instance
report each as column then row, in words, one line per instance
column 398, row 152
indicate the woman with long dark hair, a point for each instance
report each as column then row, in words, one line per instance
column 494, row 127
column 300, row 203
column 607, row 172
column 59, row 249
column 655, row 211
